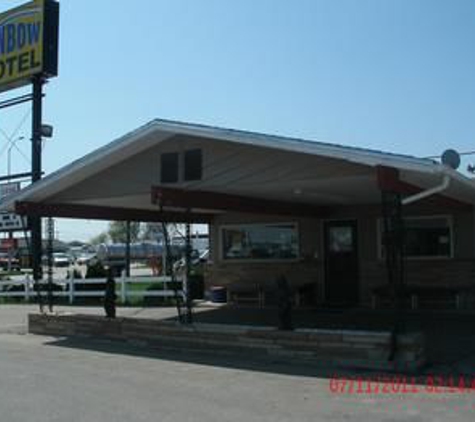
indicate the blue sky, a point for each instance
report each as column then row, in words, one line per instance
column 395, row 75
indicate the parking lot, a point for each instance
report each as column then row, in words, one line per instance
column 46, row 379
column 61, row 273
column 58, row 379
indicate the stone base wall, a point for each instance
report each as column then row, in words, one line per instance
column 338, row 348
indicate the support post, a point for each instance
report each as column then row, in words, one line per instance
column 35, row 221
column 27, row 290
column 49, row 251
column 123, row 288
column 164, row 256
column 168, row 270
column 71, row 288
column 10, row 251
column 127, row 250
column 393, row 241
column 188, row 297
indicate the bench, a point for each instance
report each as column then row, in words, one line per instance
column 417, row 296
column 239, row 293
column 262, row 294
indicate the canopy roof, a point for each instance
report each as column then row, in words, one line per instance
column 116, row 181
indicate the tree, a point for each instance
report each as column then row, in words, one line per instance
column 100, row 238
column 152, row 231
column 118, row 231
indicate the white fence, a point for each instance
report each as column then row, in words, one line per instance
column 126, row 288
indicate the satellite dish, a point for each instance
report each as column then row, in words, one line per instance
column 451, row 158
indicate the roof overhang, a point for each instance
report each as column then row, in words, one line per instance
column 93, row 212
column 219, row 202
column 321, row 175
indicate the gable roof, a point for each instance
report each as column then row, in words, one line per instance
column 158, row 130
column 357, row 155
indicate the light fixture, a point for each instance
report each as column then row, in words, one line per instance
column 46, row 131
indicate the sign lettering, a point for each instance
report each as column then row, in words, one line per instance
column 28, row 43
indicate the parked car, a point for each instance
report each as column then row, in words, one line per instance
column 85, row 259
column 61, row 259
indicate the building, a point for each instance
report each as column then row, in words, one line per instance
column 309, row 211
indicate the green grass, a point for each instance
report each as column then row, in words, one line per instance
column 138, row 301
column 144, row 301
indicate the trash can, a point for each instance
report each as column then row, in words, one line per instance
column 219, row 294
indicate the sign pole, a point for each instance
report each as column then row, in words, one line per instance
column 29, row 54
column 36, row 129
column 36, row 238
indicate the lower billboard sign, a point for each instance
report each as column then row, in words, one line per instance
column 12, row 222
column 9, row 189
column 9, row 243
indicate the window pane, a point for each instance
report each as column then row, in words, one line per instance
column 260, row 241
column 426, row 237
column 169, row 167
column 193, row 164
column 340, row 239
column 427, row 241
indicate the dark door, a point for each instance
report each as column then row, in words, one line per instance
column 341, row 263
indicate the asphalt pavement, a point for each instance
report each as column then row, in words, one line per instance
column 60, row 379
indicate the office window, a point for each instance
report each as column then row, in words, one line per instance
column 260, row 242
column 426, row 237
column 193, row 165
column 169, row 167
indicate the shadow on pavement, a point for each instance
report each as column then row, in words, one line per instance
column 450, row 339
column 194, row 357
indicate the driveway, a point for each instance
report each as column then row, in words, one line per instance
column 47, row 379
column 58, row 379
column 450, row 336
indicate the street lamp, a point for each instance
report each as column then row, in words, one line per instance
column 13, row 144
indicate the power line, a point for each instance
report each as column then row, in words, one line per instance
column 460, row 153
column 22, row 153
column 11, row 138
